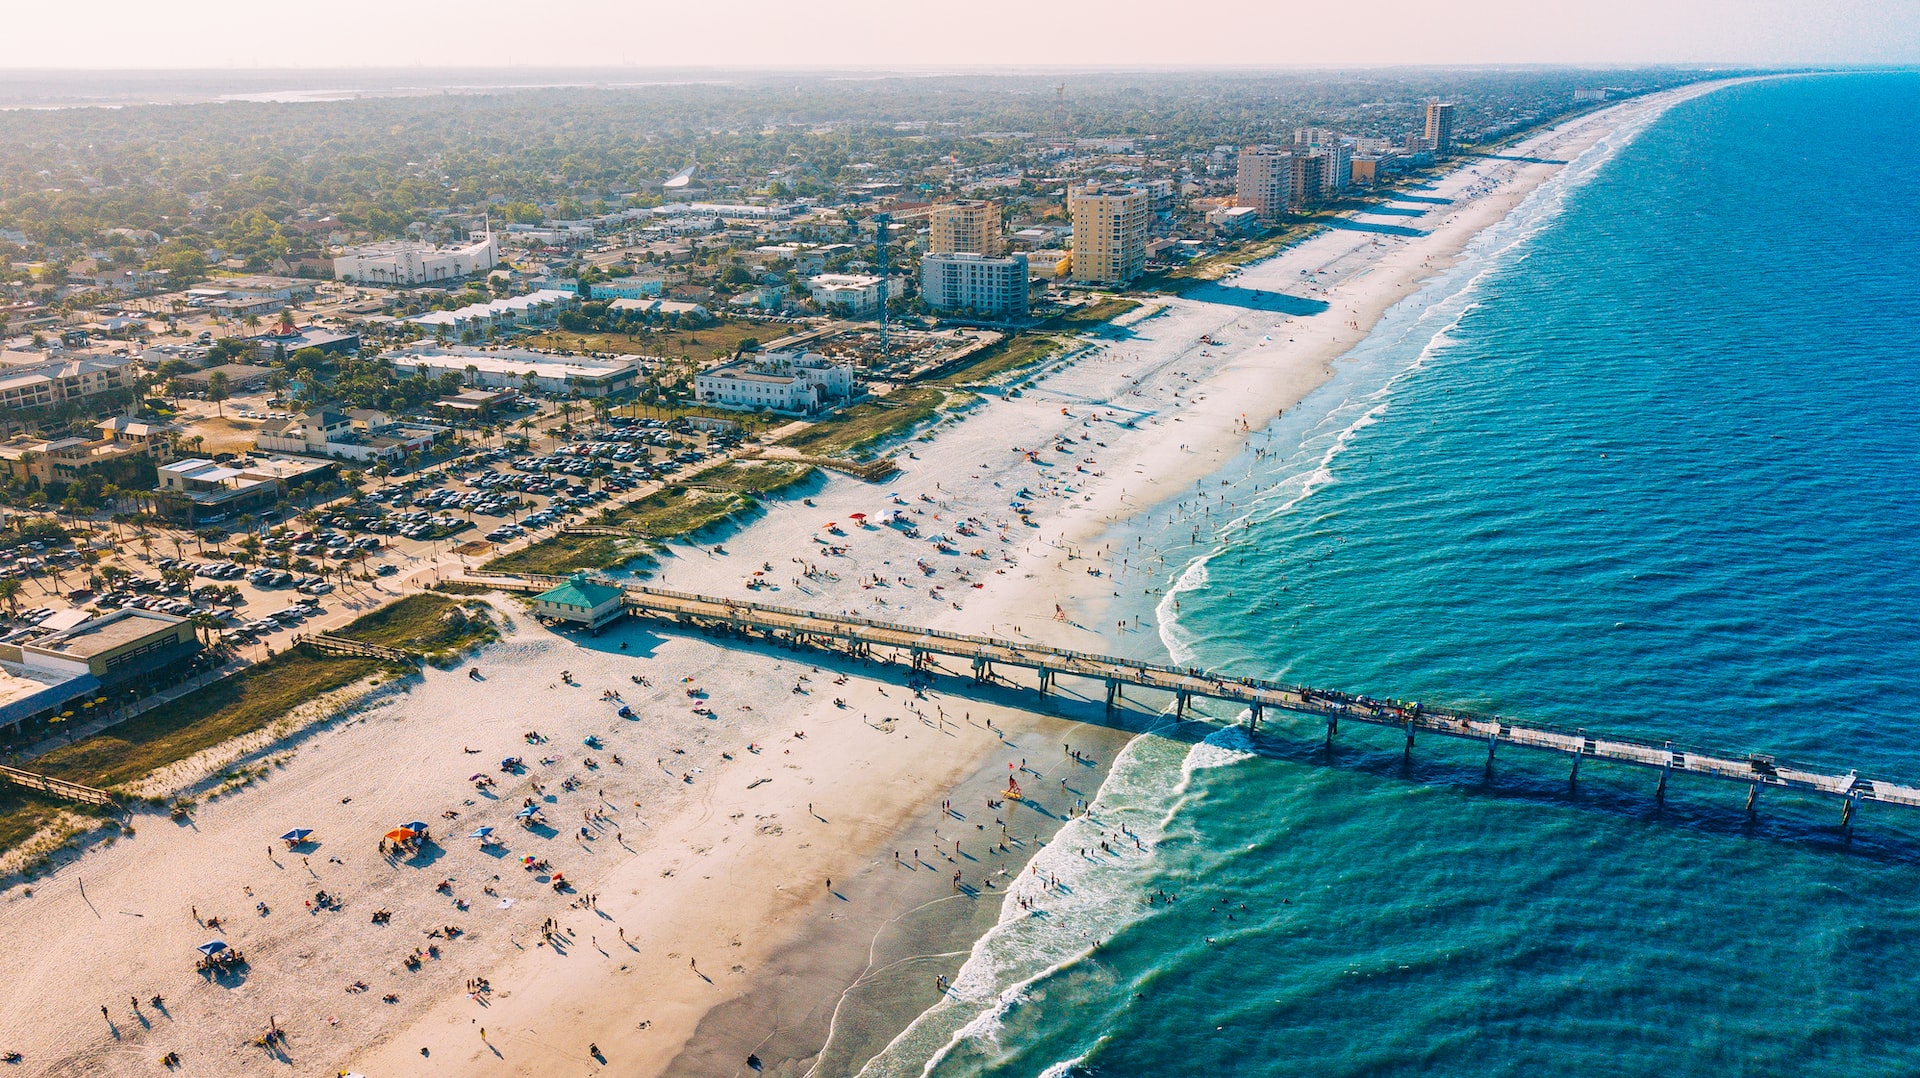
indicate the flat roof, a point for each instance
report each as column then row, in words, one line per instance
column 103, row 634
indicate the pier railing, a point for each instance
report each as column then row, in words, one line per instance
column 1758, row 771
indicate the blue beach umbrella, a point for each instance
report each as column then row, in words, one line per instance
column 415, row 826
column 212, row 947
column 483, row 833
column 298, row 834
column 528, row 812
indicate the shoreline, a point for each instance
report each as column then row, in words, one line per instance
column 715, row 876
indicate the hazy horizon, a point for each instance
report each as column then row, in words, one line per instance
column 222, row 35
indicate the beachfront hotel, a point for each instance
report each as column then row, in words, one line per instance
column 1109, row 233
column 1265, row 181
column 1439, row 132
column 971, row 282
column 799, row 383
column 969, row 227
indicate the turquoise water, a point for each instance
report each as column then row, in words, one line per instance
column 1645, row 461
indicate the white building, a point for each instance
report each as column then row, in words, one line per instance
column 486, row 319
column 800, row 383
column 365, row 435
column 508, row 368
column 977, row 283
column 405, row 262
column 849, row 292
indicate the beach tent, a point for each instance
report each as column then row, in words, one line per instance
column 212, row 947
column 402, row 834
column 298, row 834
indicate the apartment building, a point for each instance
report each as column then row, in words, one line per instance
column 1109, row 233
column 963, row 281
column 1439, row 129
column 1265, row 181
column 965, row 227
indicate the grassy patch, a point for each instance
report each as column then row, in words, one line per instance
column 1012, row 354
column 756, row 479
column 561, row 554
column 168, row 734
column 863, row 425
column 421, row 623
column 676, row 511
column 1104, row 310
column 25, row 813
column 1214, row 267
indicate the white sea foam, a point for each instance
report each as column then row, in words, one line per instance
column 1063, row 1068
column 1223, row 748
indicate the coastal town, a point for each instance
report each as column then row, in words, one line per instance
column 330, row 745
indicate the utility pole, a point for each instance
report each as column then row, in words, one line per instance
column 882, row 226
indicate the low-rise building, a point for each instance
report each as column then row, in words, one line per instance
column 365, row 435
column 408, row 263
column 280, row 345
column 520, row 368
column 486, row 319
column 975, row 283
column 200, row 491
column 580, row 601
column 793, row 382
column 627, row 288
column 51, row 381
column 64, row 460
column 90, row 664
column 1235, row 220
column 660, row 308
column 848, row 292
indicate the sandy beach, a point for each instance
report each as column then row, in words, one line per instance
column 761, row 860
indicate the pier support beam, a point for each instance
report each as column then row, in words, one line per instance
column 1408, row 751
column 1846, row 813
column 1493, row 740
column 982, row 671
column 1753, row 799
column 1255, row 712
column 1660, row 792
column 1046, row 680
column 1333, row 727
column 1180, row 704
column 1113, row 693
column 1574, row 776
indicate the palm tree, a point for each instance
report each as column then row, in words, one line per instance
column 10, row 594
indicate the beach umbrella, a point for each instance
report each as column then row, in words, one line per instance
column 528, row 812
column 856, row 516
column 416, row 825
column 483, row 833
column 401, row 834
column 212, row 947
column 298, row 834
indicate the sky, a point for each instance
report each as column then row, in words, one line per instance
column 144, row 34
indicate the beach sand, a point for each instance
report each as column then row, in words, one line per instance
column 716, row 932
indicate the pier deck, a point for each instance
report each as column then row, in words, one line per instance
column 861, row 636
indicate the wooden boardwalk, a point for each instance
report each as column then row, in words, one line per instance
column 46, row 784
column 921, row 647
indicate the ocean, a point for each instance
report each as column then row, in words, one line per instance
column 1644, row 461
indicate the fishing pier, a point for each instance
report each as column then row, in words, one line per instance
column 984, row 656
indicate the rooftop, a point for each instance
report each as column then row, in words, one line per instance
column 580, row 592
column 103, row 634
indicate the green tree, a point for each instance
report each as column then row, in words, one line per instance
column 217, row 391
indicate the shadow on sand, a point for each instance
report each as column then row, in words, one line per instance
column 1253, row 299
